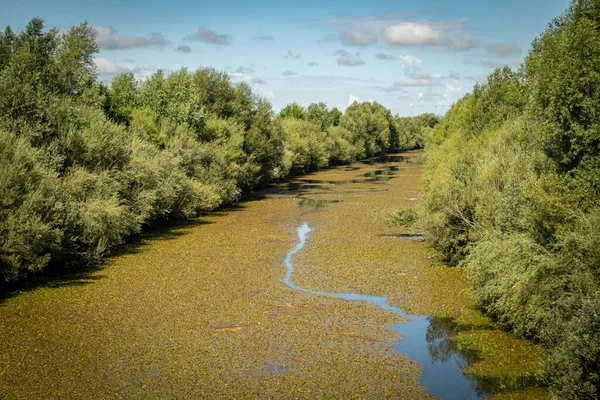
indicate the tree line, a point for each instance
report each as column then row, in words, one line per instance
column 85, row 165
column 512, row 193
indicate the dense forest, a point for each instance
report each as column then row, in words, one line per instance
column 83, row 165
column 512, row 193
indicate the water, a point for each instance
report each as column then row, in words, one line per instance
column 315, row 204
column 426, row 340
column 417, row 237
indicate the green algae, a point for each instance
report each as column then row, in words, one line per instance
column 200, row 310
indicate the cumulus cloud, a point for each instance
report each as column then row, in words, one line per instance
column 348, row 59
column 351, row 37
column 254, row 81
column 430, row 33
column 404, row 29
column 108, row 38
column 244, row 70
column 264, row 38
column 208, row 35
column 183, row 49
column 352, row 99
column 288, row 73
column 504, row 49
column 107, row 69
column 291, row 55
column 412, row 33
column 312, row 64
column 420, row 75
column 385, row 56
column 410, row 65
column 411, row 60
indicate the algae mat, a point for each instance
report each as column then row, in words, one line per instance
column 200, row 310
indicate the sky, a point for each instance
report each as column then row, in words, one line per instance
column 411, row 56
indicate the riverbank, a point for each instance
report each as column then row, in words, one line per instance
column 202, row 310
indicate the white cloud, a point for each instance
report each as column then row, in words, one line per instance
column 348, row 59
column 411, row 60
column 351, row 37
column 420, row 75
column 107, row 69
column 255, row 82
column 204, row 34
column 108, row 38
column 405, row 29
column 352, row 99
column 412, row 33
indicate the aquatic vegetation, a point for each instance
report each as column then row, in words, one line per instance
column 199, row 308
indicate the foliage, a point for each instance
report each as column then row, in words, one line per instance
column 512, row 189
column 84, row 165
column 304, row 146
column 402, row 217
column 374, row 130
column 573, row 368
column 414, row 130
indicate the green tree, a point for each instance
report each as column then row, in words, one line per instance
column 293, row 110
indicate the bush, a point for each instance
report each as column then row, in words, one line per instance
column 401, row 217
column 573, row 370
column 511, row 193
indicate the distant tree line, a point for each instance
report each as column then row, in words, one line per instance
column 83, row 165
column 512, row 193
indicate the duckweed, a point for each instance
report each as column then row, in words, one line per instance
column 200, row 310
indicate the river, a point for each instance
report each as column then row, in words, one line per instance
column 301, row 292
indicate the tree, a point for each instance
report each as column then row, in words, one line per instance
column 293, row 110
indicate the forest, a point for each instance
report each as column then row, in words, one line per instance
column 512, row 195
column 85, row 165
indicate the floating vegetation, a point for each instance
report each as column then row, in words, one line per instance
column 200, row 310
column 315, row 204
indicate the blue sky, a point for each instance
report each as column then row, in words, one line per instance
column 412, row 57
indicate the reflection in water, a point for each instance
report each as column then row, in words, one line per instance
column 412, row 159
column 429, row 341
column 316, row 204
column 425, row 340
column 417, row 237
